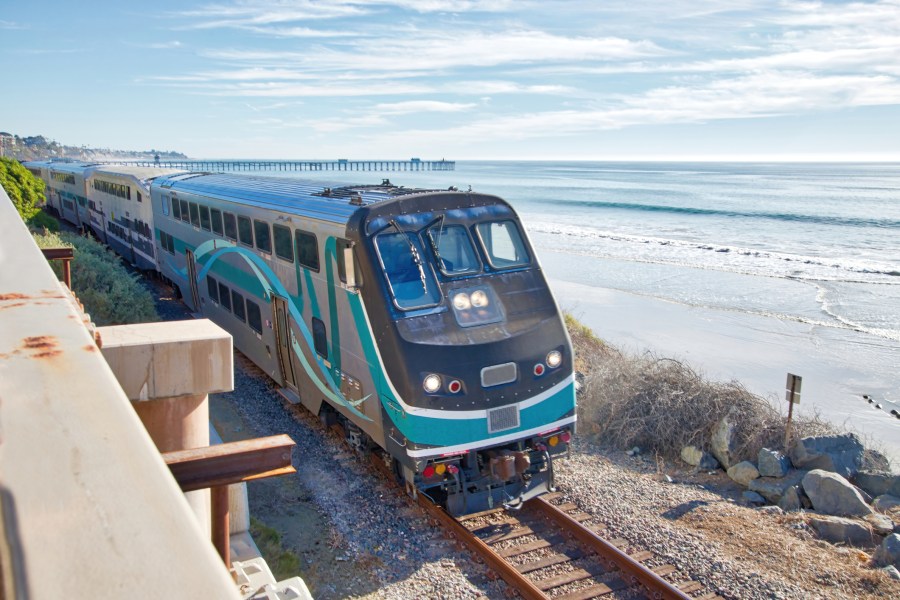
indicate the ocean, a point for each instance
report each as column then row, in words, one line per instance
column 746, row 271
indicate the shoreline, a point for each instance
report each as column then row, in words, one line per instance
column 753, row 350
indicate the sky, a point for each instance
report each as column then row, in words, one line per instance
column 458, row 79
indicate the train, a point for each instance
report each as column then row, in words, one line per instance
column 419, row 320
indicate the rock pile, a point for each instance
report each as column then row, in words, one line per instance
column 829, row 477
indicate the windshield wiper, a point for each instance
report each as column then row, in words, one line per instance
column 434, row 245
column 415, row 255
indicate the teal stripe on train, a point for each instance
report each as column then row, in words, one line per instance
column 451, row 432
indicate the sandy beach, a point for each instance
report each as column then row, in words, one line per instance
column 838, row 366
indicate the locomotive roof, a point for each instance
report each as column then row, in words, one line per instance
column 324, row 200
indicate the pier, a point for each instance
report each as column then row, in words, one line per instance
column 413, row 164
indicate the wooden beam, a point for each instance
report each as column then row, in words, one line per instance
column 235, row 462
column 57, row 253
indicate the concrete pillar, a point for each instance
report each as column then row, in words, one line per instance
column 168, row 370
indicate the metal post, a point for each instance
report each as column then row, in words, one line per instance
column 793, row 397
column 221, row 522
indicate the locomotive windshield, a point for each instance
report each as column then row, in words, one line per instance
column 503, row 244
column 411, row 280
column 454, row 250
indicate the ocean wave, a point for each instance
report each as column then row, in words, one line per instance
column 791, row 265
column 697, row 211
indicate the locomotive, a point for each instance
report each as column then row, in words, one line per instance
column 419, row 320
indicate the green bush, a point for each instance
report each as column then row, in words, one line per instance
column 24, row 189
column 42, row 221
column 111, row 295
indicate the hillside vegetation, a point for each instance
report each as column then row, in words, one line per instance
column 110, row 293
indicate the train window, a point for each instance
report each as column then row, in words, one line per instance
column 230, row 226
column 216, row 220
column 165, row 205
column 245, row 231
column 453, row 249
column 139, row 197
column 254, row 317
column 320, row 337
column 307, row 250
column 225, row 296
column 263, row 237
column 195, row 214
column 410, row 278
column 185, row 216
column 204, row 217
column 503, row 244
column 283, row 246
column 237, row 305
column 213, row 287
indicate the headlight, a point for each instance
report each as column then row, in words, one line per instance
column 479, row 299
column 554, row 359
column 461, row 301
column 432, row 383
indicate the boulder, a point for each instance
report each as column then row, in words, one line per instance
column 701, row 459
column 753, row 498
column 839, row 530
column 888, row 553
column 881, row 524
column 773, row 488
column 772, row 463
column 790, row 500
column 743, row 472
column 892, row 572
column 723, row 443
column 878, row 484
column 886, row 503
column 841, row 454
column 833, row 495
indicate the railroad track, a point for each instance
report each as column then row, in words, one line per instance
column 549, row 549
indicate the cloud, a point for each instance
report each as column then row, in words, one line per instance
column 420, row 106
column 11, row 25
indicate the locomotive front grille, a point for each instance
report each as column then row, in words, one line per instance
column 501, row 419
column 499, row 374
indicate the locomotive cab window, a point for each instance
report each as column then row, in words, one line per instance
column 216, row 215
column 454, row 250
column 284, row 247
column 342, row 256
column 230, row 226
column 307, row 250
column 195, row 214
column 320, row 337
column 503, row 244
column 409, row 276
column 204, row 217
column 245, row 231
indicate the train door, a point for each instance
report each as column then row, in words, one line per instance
column 192, row 279
column 283, row 334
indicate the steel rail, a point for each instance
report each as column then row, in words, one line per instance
column 518, row 581
column 658, row 587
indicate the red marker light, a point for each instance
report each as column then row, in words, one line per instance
column 428, row 472
column 565, row 436
column 455, row 386
column 452, row 469
column 538, row 369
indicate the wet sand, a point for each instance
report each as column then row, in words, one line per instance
column 838, row 366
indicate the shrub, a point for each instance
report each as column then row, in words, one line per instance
column 110, row 293
column 43, row 221
column 24, row 189
column 663, row 405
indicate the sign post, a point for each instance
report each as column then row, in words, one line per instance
column 792, row 395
